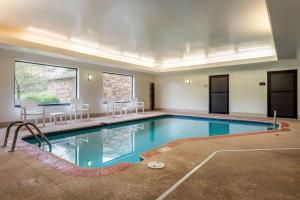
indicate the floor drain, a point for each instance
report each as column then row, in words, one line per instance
column 163, row 149
column 156, row 165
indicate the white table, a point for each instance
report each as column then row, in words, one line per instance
column 61, row 115
column 119, row 105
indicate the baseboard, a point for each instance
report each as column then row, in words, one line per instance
column 181, row 110
column 206, row 112
column 248, row 114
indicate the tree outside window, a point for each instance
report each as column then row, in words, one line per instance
column 44, row 84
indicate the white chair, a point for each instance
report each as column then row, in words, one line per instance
column 109, row 107
column 112, row 107
column 31, row 108
column 126, row 106
column 77, row 107
column 61, row 115
column 117, row 106
column 136, row 105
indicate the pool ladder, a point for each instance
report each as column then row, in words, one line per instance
column 40, row 135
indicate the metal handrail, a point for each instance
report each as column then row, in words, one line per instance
column 8, row 131
column 13, row 147
column 41, row 134
column 275, row 119
column 27, row 125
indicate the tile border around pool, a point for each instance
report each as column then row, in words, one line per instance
column 68, row 168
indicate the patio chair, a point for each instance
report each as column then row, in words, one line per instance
column 126, row 106
column 31, row 108
column 77, row 107
column 113, row 107
column 109, row 107
column 117, row 107
column 136, row 105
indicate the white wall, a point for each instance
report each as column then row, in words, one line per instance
column 246, row 96
column 90, row 91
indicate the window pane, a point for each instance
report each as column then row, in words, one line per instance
column 44, row 84
column 117, row 87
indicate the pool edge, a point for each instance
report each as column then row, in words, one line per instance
column 69, row 168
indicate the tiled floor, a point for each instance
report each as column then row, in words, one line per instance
column 22, row 176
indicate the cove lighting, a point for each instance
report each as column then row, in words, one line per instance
column 255, row 48
column 264, row 49
column 221, row 53
column 147, row 59
column 84, row 42
column 82, row 49
column 110, row 50
column 171, row 61
column 222, row 56
column 194, row 56
column 87, row 47
column 47, row 33
column 131, row 55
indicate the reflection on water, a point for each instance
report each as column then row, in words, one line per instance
column 216, row 128
column 97, row 148
column 124, row 143
column 152, row 131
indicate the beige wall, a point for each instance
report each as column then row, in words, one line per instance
column 246, row 96
column 89, row 91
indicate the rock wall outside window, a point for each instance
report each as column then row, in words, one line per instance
column 117, row 87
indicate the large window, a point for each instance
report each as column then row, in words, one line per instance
column 44, row 84
column 117, row 87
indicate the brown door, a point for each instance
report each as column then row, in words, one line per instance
column 282, row 93
column 219, row 94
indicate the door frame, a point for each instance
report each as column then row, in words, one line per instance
column 210, row 92
column 295, row 73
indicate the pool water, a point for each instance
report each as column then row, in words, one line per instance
column 106, row 146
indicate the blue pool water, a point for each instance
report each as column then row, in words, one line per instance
column 106, row 146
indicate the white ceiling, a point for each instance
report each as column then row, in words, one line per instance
column 164, row 30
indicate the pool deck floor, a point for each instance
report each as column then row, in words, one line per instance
column 266, row 174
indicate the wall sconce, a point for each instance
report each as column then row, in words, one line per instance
column 90, row 77
column 188, row 81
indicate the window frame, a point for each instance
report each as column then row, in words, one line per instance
column 50, row 65
column 120, row 74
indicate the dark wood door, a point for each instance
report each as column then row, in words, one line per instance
column 219, row 94
column 282, row 93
